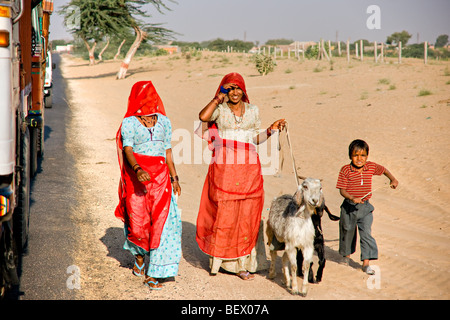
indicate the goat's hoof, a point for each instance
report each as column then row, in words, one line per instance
column 272, row 275
column 303, row 294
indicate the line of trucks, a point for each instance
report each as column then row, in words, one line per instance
column 25, row 93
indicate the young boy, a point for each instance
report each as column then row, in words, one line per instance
column 355, row 185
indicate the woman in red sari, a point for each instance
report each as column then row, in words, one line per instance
column 233, row 196
column 148, row 186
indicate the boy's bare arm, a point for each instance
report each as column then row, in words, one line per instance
column 348, row 196
column 394, row 182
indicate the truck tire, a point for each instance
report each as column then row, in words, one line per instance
column 9, row 260
column 40, row 141
column 48, row 100
column 21, row 214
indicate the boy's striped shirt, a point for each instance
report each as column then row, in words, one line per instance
column 358, row 184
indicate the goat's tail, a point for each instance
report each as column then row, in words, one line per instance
column 330, row 215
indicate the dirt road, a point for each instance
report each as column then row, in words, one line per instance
column 411, row 223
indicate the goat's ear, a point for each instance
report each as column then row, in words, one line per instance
column 300, row 209
column 298, row 195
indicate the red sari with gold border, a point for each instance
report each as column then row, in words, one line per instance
column 232, row 200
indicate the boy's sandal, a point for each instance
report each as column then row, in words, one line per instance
column 138, row 270
column 245, row 275
column 368, row 270
column 152, row 283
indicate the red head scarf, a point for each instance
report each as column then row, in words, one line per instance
column 144, row 100
column 237, row 79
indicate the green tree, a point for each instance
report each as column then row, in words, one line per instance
column 397, row 37
column 278, row 42
column 222, row 45
column 441, row 41
column 97, row 20
column 131, row 9
column 92, row 20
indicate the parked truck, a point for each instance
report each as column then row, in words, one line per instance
column 24, row 32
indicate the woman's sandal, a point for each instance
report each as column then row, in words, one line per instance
column 152, row 283
column 138, row 270
column 245, row 275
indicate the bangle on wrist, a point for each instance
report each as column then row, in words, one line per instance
column 173, row 179
column 216, row 99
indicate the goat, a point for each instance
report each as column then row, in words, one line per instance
column 318, row 243
column 290, row 222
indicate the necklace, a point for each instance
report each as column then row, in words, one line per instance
column 151, row 123
column 236, row 120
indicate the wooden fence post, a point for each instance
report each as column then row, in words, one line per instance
column 362, row 50
column 329, row 48
column 382, row 52
column 425, row 51
column 356, row 50
column 399, row 52
column 324, row 52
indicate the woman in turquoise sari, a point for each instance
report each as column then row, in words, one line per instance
column 148, row 186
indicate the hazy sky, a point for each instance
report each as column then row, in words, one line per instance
column 302, row 20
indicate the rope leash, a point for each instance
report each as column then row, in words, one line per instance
column 385, row 186
column 292, row 154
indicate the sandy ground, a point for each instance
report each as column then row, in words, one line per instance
column 326, row 106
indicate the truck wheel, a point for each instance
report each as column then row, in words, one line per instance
column 9, row 260
column 21, row 214
column 48, row 100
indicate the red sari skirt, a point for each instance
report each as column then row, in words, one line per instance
column 232, row 201
column 144, row 207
